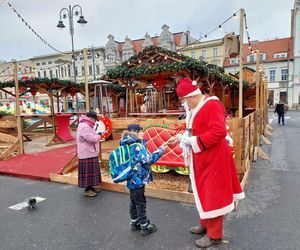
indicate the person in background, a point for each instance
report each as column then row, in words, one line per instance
column 89, row 175
column 280, row 109
column 142, row 174
column 213, row 174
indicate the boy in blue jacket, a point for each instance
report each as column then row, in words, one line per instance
column 142, row 174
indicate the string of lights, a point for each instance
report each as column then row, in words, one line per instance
column 31, row 29
column 248, row 36
column 210, row 32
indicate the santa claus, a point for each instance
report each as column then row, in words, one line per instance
column 213, row 174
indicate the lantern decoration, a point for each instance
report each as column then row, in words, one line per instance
column 72, row 91
column 32, row 91
column 22, row 89
column 159, row 83
column 21, row 103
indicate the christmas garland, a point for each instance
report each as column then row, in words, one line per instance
column 131, row 68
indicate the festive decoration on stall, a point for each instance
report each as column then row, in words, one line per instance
column 156, row 135
column 103, row 126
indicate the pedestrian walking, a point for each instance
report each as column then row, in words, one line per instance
column 141, row 161
column 89, row 175
column 280, row 109
column 213, row 173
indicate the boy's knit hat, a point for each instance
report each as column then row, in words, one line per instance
column 134, row 127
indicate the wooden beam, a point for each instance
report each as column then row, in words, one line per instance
column 8, row 151
column 265, row 140
column 262, row 154
column 70, row 165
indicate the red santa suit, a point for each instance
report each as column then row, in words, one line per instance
column 213, row 173
column 212, row 170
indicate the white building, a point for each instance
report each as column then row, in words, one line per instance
column 276, row 57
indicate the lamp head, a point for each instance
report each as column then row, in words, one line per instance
column 60, row 25
column 81, row 20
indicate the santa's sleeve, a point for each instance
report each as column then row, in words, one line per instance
column 214, row 116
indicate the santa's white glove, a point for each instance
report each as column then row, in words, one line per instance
column 186, row 140
column 179, row 137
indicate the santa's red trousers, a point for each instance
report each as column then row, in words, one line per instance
column 214, row 227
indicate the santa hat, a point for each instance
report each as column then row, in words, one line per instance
column 187, row 88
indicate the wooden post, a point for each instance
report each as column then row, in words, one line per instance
column 52, row 114
column 256, row 137
column 19, row 120
column 87, row 93
column 242, row 13
column 57, row 103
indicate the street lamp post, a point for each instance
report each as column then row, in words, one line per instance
column 70, row 13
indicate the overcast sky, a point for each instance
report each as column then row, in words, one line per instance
column 267, row 19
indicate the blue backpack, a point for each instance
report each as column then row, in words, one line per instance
column 120, row 167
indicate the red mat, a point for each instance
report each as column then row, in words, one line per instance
column 38, row 165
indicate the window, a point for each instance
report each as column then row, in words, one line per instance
column 203, row 53
column 234, row 61
column 193, row 54
column 97, row 69
column 272, row 75
column 51, row 74
column 1, row 95
column 45, row 74
column 262, row 56
column 82, row 71
column 76, row 71
column 62, row 72
column 38, row 64
column 39, row 74
column 110, row 58
column 90, row 70
column 43, row 63
column 69, row 70
column 56, row 73
column 280, row 55
column 215, row 52
column 89, row 57
column 251, row 58
column 49, row 62
column 284, row 74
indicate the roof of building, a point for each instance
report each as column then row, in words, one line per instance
column 137, row 44
column 270, row 47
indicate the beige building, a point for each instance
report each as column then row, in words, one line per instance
column 209, row 51
column 25, row 70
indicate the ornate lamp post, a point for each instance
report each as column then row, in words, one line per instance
column 76, row 10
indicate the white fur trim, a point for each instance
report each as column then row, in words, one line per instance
column 194, row 144
column 199, row 106
column 217, row 212
column 195, row 191
column 239, row 196
column 194, row 83
column 195, row 92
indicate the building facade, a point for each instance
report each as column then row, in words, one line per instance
column 209, row 51
column 276, row 58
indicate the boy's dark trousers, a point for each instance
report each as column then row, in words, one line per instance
column 281, row 117
column 138, row 205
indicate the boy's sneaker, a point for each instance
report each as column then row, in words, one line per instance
column 135, row 226
column 148, row 229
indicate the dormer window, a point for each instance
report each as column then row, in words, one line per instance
column 280, row 55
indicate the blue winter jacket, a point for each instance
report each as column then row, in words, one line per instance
column 141, row 161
